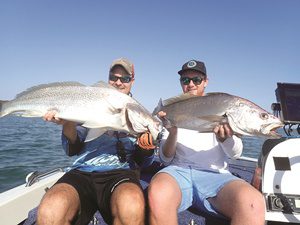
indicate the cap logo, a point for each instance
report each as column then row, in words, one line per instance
column 191, row 64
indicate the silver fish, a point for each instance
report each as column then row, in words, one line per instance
column 100, row 107
column 204, row 113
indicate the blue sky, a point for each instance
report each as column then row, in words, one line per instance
column 247, row 46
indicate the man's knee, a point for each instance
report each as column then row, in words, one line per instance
column 154, row 195
column 60, row 203
column 246, row 203
column 164, row 192
column 250, row 199
column 125, row 195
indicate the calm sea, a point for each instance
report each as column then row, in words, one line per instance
column 30, row 144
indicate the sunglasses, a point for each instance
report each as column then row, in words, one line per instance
column 125, row 79
column 187, row 80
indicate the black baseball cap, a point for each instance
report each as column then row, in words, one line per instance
column 194, row 65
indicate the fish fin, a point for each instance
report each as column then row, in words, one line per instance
column 94, row 124
column 42, row 86
column 94, row 133
column 68, row 117
column 207, row 127
column 112, row 121
column 103, row 84
column 25, row 113
column 29, row 114
column 216, row 93
column 178, row 98
column 100, row 83
column 158, row 107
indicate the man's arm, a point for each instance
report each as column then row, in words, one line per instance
column 69, row 130
column 231, row 144
column 233, row 147
column 169, row 147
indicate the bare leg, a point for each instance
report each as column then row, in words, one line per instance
column 59, row 205
column 128, row 205
column 241, row 202
column 164, row 200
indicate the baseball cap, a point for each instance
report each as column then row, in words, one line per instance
column 125, row 63
column 193, row 65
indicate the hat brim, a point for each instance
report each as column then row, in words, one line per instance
column 181, row 71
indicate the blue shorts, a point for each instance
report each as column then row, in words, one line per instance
column 197, row 186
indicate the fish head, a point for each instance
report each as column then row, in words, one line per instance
column 155, row 127
column 246, row 118
column 140, row 120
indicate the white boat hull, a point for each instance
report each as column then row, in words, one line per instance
column 16, row 203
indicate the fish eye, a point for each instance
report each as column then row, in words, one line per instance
column 264, row 116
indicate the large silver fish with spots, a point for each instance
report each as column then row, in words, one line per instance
column 100, row 107
column 203, row 113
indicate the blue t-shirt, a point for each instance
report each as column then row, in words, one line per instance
column 101, row 154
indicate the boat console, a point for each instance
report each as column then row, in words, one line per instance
column 279, row 161
column 288, row 106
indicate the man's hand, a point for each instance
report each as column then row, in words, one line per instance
column 145, row 141
column 223, row 131
column 166, row 123
column 50, row 117
column 69, row 127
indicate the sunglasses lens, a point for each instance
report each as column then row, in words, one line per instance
column 187, row 80
column 113, row 78
column 197, row 80
column 125, row 79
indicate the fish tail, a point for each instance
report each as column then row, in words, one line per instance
column 1, row 108
column 158, row 107
column 1, row 104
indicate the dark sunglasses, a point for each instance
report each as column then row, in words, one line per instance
column 125, row 79
column 187, row 80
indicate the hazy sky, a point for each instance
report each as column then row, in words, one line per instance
column 248, row 46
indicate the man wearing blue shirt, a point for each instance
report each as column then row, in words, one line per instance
column 105, row 176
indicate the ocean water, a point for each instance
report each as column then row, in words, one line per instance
column 27, row 145
column 31, row 144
